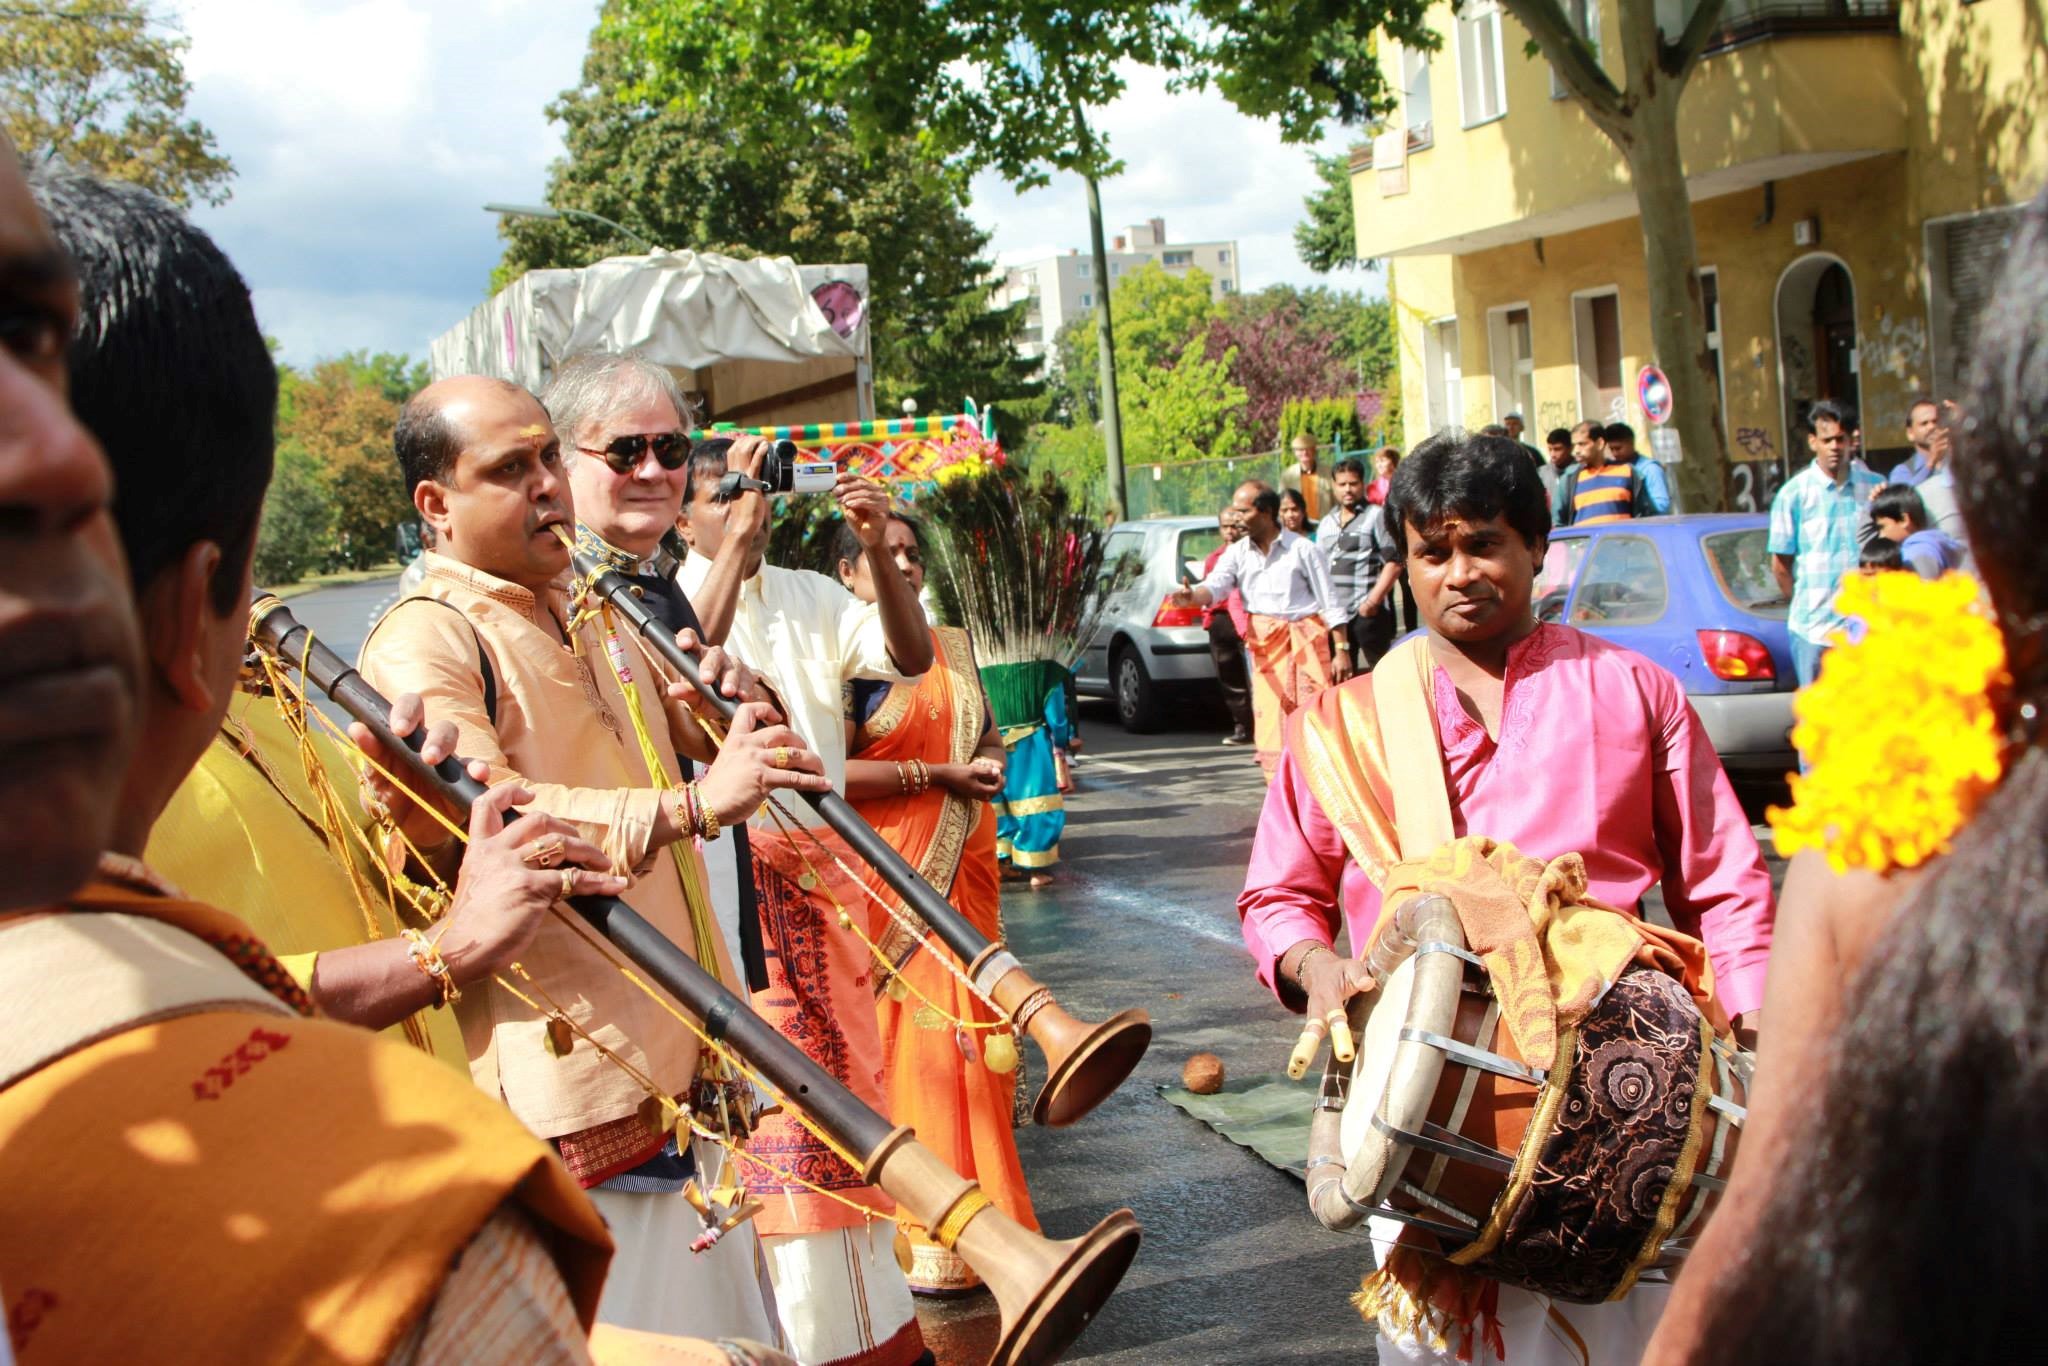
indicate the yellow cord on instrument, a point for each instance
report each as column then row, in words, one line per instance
column 292, row 691
column 916, row 928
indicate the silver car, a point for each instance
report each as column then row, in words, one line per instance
column 1144, row 648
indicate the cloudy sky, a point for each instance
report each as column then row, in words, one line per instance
column 367, row 135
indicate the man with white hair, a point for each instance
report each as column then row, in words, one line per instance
column 624, row 426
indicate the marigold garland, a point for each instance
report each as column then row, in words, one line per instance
column 1900, row 730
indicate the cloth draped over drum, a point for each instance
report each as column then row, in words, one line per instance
column 1559, row 961
column 1029, row 702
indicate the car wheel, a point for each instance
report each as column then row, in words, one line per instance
column 1137, row 697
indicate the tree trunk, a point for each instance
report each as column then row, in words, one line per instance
column 1678, row 338
column 1641, row 119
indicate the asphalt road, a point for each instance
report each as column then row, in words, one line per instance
column 1232, row 1269
column 342, row 616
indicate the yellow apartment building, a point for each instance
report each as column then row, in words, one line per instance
column 1855, row 167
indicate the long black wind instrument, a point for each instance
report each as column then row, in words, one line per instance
column 1048, row 1291
column 1084, row 1062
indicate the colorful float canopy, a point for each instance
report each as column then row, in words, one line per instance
column 909, row 452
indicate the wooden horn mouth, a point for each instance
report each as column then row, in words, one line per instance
column 1085, row 1063
column 1048, row 1291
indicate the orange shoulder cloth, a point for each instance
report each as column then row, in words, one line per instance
column 1336, row 740
column 247, row 1184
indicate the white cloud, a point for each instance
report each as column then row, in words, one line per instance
column 1192, row 159
column 368, row 134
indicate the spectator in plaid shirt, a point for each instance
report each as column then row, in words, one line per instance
column 1814, row 535
column 1347, row 537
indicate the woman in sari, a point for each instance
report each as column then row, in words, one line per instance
column 924, row 761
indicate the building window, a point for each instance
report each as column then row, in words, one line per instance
column 1087, row 301
column 1177, row 258
column 1223, row 257
column 1084, row 269
column 1440, row 366
column 1596, row 339
column 1415, row 107
column 1228, row 287
column 1584, row 17
column 1511, row 342
column 1482, row 80
column 1116, row 268
column 1963, row 257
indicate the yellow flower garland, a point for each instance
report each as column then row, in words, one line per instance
column 1900, row 731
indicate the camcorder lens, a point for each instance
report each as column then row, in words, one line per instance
column 783, row 470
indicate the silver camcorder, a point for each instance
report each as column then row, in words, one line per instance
column 783, row 470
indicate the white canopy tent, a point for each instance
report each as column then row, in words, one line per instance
column 761, row 342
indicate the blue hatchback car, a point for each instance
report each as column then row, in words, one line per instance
column 1694, row 593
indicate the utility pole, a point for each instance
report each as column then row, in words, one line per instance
column 1112, row 419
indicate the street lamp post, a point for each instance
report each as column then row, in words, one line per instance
column 545, row 211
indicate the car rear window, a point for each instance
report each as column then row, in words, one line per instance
column 1621, row 585
column 1194, row 547
column 1742, row 570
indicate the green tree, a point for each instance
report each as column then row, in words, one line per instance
column 716, row 177
column 100, row 85
column 1160, row 315
column 339, row 415
column 1186, row 410
column 296, row 533
column 1327, row 240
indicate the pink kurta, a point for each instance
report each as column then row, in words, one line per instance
column 1599, row 754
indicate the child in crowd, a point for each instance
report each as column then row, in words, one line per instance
column 1902, row 519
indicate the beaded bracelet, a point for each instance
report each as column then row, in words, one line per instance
column 427, row 958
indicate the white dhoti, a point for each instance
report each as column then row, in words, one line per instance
column 1541, row 1332
column 843, row 1298
column 657, row 1285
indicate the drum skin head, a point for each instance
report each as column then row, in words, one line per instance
column 1393, row 1078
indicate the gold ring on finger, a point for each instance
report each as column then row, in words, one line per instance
column 568, row 883
column 546, row 854
column 781, row 757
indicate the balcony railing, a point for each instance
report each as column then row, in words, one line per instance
column 1750, row 21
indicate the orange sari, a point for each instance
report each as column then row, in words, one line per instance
column 960, row 1109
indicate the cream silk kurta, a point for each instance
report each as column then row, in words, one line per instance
column 809, row 637
column 562, row 729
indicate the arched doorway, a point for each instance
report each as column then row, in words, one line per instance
column 1816, row 324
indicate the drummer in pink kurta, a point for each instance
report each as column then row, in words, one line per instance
column 1599, row 754
column 1550, row 739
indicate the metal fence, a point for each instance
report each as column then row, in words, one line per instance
column 1197, row 488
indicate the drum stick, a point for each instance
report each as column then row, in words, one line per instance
column 1340, row 1036
column 1305, row 1047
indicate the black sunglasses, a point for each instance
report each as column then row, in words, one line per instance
column 625, row 453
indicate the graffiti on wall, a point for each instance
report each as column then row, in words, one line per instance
column 1554, row 414
column 1900, row 346
column 1755, row 475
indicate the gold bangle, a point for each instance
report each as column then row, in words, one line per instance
column 1301, row 963
column 705, row 814
column 427, row 958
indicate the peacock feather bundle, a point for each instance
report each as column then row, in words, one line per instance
column 1020, row 563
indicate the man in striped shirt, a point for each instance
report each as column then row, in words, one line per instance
column 1598, row 488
